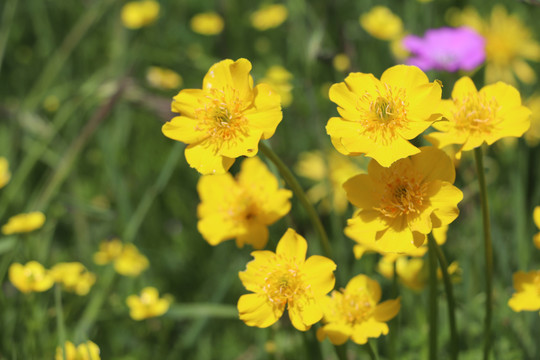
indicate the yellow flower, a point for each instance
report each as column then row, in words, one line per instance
column 355, row 312
column 285, row 278
column 341, row 62
column 378, row 117
column 224, row 120
column 136, row 14
column 241, row 208
column 381, row 23
column 30, row 277
column 148, row 304
column 23, row 223
column 536, row 217
column 268, row 17
column 5, row 175
column 74, row 277
column 109, row 250
column 162, row 78
column 527, row 295
column 130, row 262
column 317, row 166
column 399, row 205
column 208, row 23
column 475, row 117
column 508, row 44
column 85, row 351
column 532, row 136
column 280, row 80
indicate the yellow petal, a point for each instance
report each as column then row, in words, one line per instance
column 255, row 310
column 387, row 310
column 184, row 129
column 434, row 164
column 187, row 101
column 256, row 234
column 266, row 115
column 202, row 157
column 295, row 315
column 292, row 246
column 368, row 329
column 463, row 88
column 364, row 282
column 319, row 274
column 338, row 334
column 404, row 77
column 395, row 150
column 363, row 192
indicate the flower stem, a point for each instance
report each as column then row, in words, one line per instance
column 369, row 349
column 60, row 319
column 454, row 339
column 394, row 323
column 488, row 250
column 300, row 194
column 432, row 308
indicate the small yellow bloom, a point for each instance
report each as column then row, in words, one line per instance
column 269, row 17
column 399, row 205
column 148, row 304
column 109, row 250
column 379, row 117
column 398, row 50
column 74, row 277
column 532, row 136
column 280, row 80
column 30, row 277
column 162, row 78
column 341, row 62
column 527, row 295
column 536, row 218
column 130, row 262
column 85, row 351
column 355, row 312
column 224, row 120
column 136, row 14
column 285, row 278
column 475, row 117
column 51, row 103
column 381, row 23
column 208, row 23
column 411, row 272
column 241, row 208
column 5, row 175
column 23, row 223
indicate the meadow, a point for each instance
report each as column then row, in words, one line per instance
column 136, row 243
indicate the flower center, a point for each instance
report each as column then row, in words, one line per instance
column 402, row 195
column 284, row 284
column 355, row 307
column 384, row 115
column 475, row 114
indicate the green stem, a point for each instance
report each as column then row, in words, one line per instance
column 454, row 339
column 341, row 351
column 7, row 20
column 300, row 194
column 432, row 308
column 488, row 250
column 369, row 349
column 394, row 322
column 60, row 318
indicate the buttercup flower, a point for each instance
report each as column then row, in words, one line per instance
column 527, row 295
column 475, row 117
column 85, row 351
column 378, row 117
column 280, row 80
column 355, row 312
column 137, row 14
column 224, row 120
column 5, row 175
column 536, row 218
column 508, row 44
column 381, row 23
column 341, row 62
column 74, row 277
column 30, row 277
column 285, row 278
column 162, row 78
column 148, row 304
column 127, row 259
column 23, row 223
column 208, row 23
column 399, row 205
column 269, row 17
column 242, row 208
column 447, row 49
column 109, row 250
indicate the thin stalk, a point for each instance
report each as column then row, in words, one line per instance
column 454, row 338
column 7, row 20
column 488, row 250
column 369, row 349
column 341, row 351
column 432, row 308
column 394, row 322
column 300, row 194
column 60, row 318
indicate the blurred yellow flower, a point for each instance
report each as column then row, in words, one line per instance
column 285, row 278
column 5, row 175
column 148, row 304
column 527, row 295
column 74, row 277
column 109, row 250
column 30, row 277
column 51, row 103
column 162, row 78
column 224, row 120
column 532, row 136
column 23, row 223
column 280, row 80
column 136, row 14
column 382, row 23
column 317, row 166
column 127, row 259
column 269, row 16
column 208, row 23
column 398, row 50
column 85, row 351
column 355, row 312
column 475, row 117
column 341, row 62
column 536, row 218
column 400, row 205
column 241, row 208
column 508, row 44
column 379, row 117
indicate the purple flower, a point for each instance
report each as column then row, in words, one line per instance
column 447, row 49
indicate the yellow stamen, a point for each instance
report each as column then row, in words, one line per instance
column 475, row 114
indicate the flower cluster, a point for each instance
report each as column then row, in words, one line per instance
column 127, row 259
column 148, row 304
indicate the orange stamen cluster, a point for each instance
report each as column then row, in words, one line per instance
column 403, row 194
column 475, row 114
column 356, row 307
column 284, row 283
